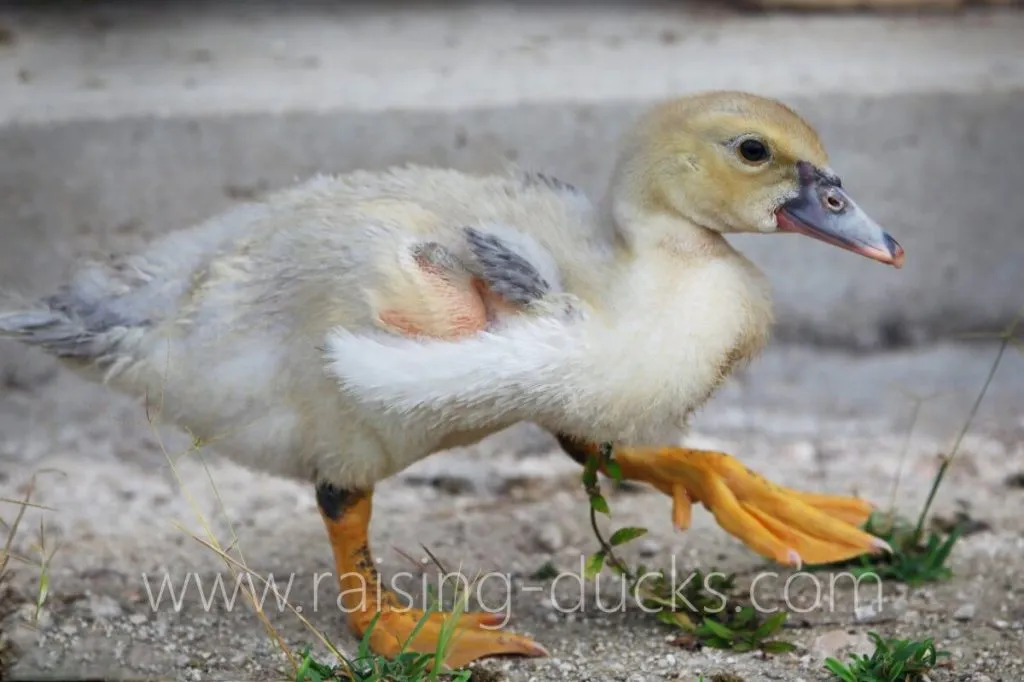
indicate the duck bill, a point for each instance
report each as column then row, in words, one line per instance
column 824, row 211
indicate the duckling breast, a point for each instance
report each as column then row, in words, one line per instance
column 675, row 339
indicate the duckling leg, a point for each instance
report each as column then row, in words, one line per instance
column 788, row 526
column 347, row 518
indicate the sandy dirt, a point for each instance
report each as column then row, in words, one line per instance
column 122, row 518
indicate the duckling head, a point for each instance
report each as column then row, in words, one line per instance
column 732, row 162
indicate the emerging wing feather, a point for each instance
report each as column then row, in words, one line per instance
column 504, row 270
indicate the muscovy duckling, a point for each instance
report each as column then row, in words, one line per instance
column 347, row 327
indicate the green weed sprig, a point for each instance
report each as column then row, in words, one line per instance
column 893, row 660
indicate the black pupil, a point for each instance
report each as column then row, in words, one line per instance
column 752, row 150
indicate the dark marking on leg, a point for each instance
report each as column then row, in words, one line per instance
column 364, row 560
column 334, row 501
column 367, row 568
column 574, row 448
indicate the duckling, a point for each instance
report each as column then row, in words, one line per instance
column 350, row 326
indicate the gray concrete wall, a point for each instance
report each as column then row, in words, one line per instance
column 115, row 127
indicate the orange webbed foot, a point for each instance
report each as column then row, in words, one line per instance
column 475, row 635
column 788, row 526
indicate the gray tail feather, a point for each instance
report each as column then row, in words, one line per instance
column 53, row 331
column 80, row 322
column 56, row 332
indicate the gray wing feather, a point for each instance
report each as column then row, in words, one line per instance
column 507, row 272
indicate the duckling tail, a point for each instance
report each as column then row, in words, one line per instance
column 63, row 328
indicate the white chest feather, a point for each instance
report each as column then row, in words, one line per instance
column 673, row 346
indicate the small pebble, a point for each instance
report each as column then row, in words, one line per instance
column 803, row 452
column 865, row 612
column 103, row 607
column 965, row 612
column 912, row 617
column 550, row 538
column 649, row 547
column 835, row 642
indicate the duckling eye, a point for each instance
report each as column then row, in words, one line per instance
column 754, row 151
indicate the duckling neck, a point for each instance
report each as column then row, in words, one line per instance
column 639, row 230
column 665, row 249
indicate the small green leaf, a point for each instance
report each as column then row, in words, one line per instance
column 947, row 547
column 600, row 505
column 594, row 565
column 305, row 673
column 624, row 535
column 718, row 629
column 44, row 589
column 717, row 643
column 666, row 617
column 746, row 616
column 778, row 647
column 676, row 619
column 768, row 627
column 613, row 470
column 839, row 670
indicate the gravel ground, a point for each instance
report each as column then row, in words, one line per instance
column 808, row 419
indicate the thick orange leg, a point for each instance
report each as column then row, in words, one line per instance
column 785, row 525
column 347, row 518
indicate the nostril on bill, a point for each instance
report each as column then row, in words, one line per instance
column 833, row 201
